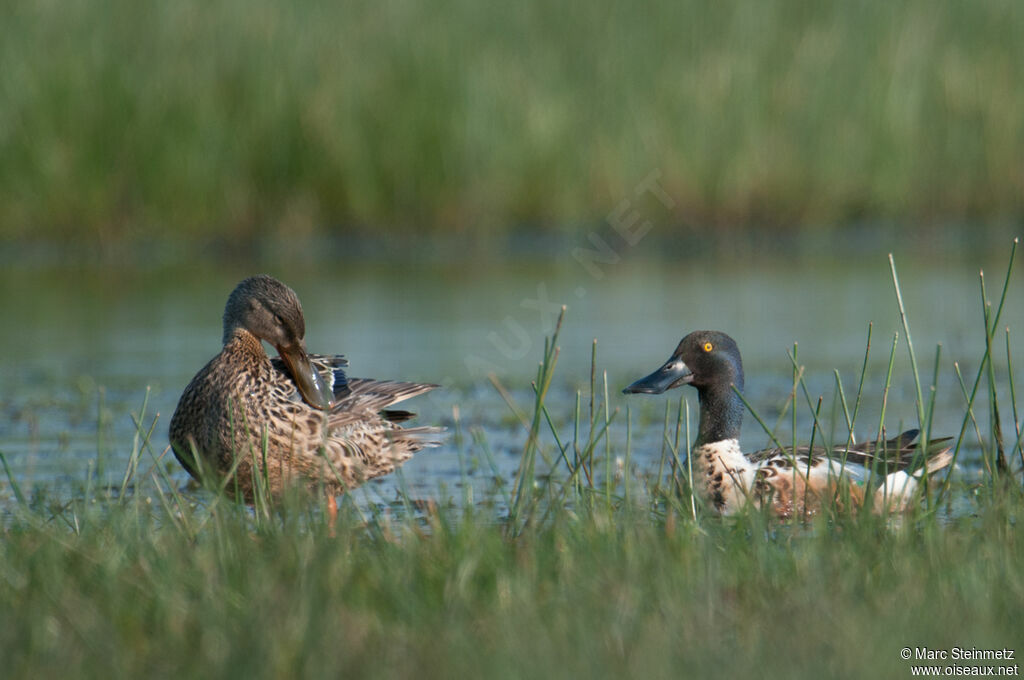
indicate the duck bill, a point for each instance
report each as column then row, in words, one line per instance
column 312, row 387
column 673, row 374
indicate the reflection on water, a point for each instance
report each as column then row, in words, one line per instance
column 82, row 347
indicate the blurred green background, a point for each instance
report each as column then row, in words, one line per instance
column 236, row 121
column 152, row 154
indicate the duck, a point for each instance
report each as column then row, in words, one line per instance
column 785, row 481
column 292, row 421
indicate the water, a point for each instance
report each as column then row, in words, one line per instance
column 82, row 346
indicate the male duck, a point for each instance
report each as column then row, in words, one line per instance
column 289, row 421
column 789, row 482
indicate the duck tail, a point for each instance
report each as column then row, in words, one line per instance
column 899, row 489
column 425, row 436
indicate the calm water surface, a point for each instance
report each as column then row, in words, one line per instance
column 86, row 344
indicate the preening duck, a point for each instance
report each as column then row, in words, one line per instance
column 292, row 421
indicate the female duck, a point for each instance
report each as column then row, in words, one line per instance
column 289, row 421
column 786, row 480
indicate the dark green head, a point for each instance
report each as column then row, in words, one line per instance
column 708, row 360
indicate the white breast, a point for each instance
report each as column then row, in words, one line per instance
column 724, row 475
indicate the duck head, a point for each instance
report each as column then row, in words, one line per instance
column 270, row 310
column 708, row 360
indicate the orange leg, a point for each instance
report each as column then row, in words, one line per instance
column 332, row 514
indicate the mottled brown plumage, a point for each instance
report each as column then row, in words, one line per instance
column 293, row 421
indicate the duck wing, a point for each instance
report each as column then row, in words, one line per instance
column 898, row 453
column 365, row 395
column 329, row 366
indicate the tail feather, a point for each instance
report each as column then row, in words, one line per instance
column 425, row 436
column 397, row 415
column 899, row 489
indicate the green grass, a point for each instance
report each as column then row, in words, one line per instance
column 124, row 120
column 581, row 597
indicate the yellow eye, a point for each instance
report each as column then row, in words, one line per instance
column 708, row 347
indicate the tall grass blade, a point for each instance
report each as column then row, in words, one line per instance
column 910, row 350
column 689, row 462
column 13, row 481
column 1000, row 466
column 525, row 478
column 609, row 478
column 1013, row 400
column 480, row 439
